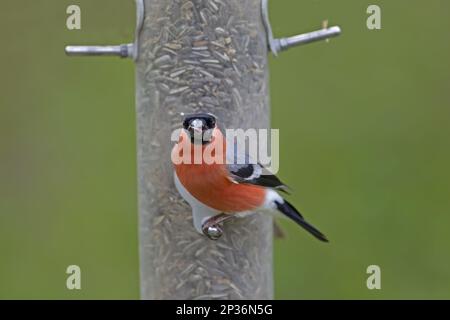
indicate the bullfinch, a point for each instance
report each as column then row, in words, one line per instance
column 227, row 187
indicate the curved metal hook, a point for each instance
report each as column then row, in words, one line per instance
column 140, row 15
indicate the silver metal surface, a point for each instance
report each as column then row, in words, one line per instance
column 214, row 232
column 124, row 50
column 278, row 45
column 286, row 43
column 140, row 11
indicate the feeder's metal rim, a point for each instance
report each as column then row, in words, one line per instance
column 140, row 15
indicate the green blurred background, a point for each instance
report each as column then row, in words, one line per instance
column 364, row 124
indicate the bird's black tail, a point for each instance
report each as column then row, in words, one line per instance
column 288, row 210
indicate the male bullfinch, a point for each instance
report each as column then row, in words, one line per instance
column 221, row 187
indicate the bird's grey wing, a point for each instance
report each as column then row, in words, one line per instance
column 242, row 169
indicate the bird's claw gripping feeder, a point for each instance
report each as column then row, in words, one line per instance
column 127, row 50
column 212, row 227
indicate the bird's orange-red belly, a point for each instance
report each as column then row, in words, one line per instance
column 209, row 184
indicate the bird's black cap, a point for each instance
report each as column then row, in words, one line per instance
column 208, row 119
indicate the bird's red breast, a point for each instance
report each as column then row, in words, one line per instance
column 210, row 183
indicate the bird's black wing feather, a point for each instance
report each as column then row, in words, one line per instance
column 243, row 170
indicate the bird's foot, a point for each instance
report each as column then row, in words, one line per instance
column 212, row 227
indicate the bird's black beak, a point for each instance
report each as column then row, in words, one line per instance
column 195, row 130
column 196, row 134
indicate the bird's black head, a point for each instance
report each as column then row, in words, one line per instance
column 200, row 126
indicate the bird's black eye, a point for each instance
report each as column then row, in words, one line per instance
column 210, row 122
column 186, row 123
